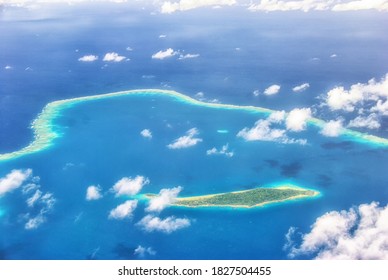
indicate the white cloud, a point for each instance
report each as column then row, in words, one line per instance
column 47, row 200
column 308, row 5
column 223, row 151
column 35, row 222
column 14, row 180
column 381, row 107
column 188, row 56
column 88, row 58
column 333, row 55
column 8, row 67
column 165, row 198
column 263, row 131
column 186, row 141
column 113, row 57
column 129, row 185
column 371, row 122
column 151, row 223
column 256, row 92
column 162, row 36
column 297, row 118
column 359, row 233
column 164, row 54
column 124, row 210
column 301, row 87
column 373, row 92
column 184, row 5
column 274, row 89
column 332, row 128
column 93, row 193
column 34, row 198
column 143, row 251
column 146, row 133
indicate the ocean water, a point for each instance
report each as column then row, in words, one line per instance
column 100, row 140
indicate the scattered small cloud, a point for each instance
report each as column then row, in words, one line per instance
column 359, row 233
column 129, row 49
column 333, row 55
column 14, row 180
column 34, row 223
column 256, row 92
column 93, row 193
column 186, row 141
column 162, row 36
column 8, row 67
column 34, row 198
column 165, row 198
column 223, row 151
column 301, row 87
column 88, row 58
column 297, row 119
column 164, row 54
column 144, row 251
column 185, row 5
column 272, row 90
column 113, row 57
column 170, row 224
column 124, row 210
column 332, row 128
column 129, row 185
column 146, row 133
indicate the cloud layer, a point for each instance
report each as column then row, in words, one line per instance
column 359, row 233
column 169, row 7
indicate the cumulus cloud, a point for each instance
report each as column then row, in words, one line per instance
column 332, row 128
column 170, row 224
column 14, row 180
column 274, row 89
column 301, row 87
column 319, row 5
column 144, row 251
column 297, row 119
column 186, row 141
column 146, row 133
column 93, row 193
column 88, row 58
column 164, row 54
column 165, row 198
column 374, row 92
column 113, row 57
column 223, row 151
column 359, row 233
column 129, row 185
column 371, row 122
column 169, row 7
column 124, row 210
column 263, row 130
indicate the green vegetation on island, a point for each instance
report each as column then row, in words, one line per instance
column 248, row 198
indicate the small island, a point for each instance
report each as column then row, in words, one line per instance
column 247, row 198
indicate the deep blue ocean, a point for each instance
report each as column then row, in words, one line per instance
column 240, row 52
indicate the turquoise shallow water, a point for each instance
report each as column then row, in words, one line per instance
column 100, row 143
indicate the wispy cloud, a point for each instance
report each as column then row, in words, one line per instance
column 169, row 7
column 88, row 58
column 129, row 185
column 93, row 193
column 272, row 90
column 188, row 56
column 14, row 180
column 170, row 224
column 186, row 141
column 223, row 151
column 359, row 233
column 165, row 198
column 113, row 57
column 164, row 54
column 124, row 210
column 301, row 87
column 144, row 251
